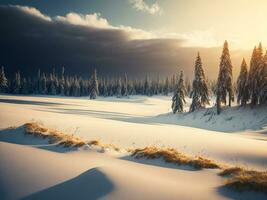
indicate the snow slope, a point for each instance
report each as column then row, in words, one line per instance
column 134, row 122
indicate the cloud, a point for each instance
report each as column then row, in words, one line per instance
column 91, row 20
column 141, row 5
column 31, row 40
column 32, row 11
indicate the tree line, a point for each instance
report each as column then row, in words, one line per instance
column 64, row 85
column 251, row 86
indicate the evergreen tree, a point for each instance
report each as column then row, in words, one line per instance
column 178, row 99
column 242, row 84
column 254, row 74
column 17, row 83
column 118, row 89
column 263, row 81
column 166, row 88
column 200, row 93
column 94, row 86
column 224, row 82
column 62, row 83
column 105, row 89
column 125, row 86
column 43, row 82
column 24, row 86
column 3, row 80
column 76, row 87
column 147, row 86
column 51, row 85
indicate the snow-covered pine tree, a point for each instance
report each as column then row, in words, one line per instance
column 17, row 83
column 224, row 82
column 166, row 89
column 124, row 89
column 62, row 83
column 242, row 84
column 254, row 72
column 3, row 80
column 118, row 89
column 105, row 89
column 51, row 85
column 178, row 99
column 263, row 81
column 94, row 86
column 200, row 93
column 43, row 84
column 77, row 88
column 146, row 86
column 24, row 86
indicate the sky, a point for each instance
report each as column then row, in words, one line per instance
column 136, row 36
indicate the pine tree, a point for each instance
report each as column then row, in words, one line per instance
column 263, row 81
column 94, row 86
column 105, row 89
column 76, row 87
column 3, row 80
column 224, row 82
column 125, row 86
column 254, row 74
column 17, row 84
column 51, row 85
column 242, row 84
column 200, row 93
column 146, row 86
column 43, row 86
column 166, row 89
column 178, row 99
column 24, row 86
column 118, row 88
column 62, row 83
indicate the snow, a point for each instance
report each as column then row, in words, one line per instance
column 32, row 169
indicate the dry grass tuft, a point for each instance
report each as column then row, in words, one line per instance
column 171, row 155
column 103, row 146
column 231, row 171
column 242, row 179
column 61, row 138
column 54, row 136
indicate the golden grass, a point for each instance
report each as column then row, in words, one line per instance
column 171, row 155
column 66, row 140
column 237, row 177
column 54, row 136
column 242, row 179
column 103, row 146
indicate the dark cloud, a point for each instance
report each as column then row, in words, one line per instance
column 29, row 42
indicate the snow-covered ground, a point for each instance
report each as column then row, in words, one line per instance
column 236, row 137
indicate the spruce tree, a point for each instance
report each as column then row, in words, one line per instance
column 43, row 84
column 224, row 82
column 118, row 88
column 3, row 80
column 254, row 74
column 200, row 93
column 178, row 99
column 17, row 83
column 62, row 83
column 94, row 86
column 263, row 81
column 146, row 86
column 125, row 86
column 24, row 86
column 166, row 89
column 242, row 84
